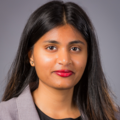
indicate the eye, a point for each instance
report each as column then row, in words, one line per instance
column 51, row 48
column 75, row 49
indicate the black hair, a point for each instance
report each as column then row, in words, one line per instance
column 91, row 93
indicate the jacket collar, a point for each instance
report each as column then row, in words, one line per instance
column 26, row 106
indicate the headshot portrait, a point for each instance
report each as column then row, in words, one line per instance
column 59, row 60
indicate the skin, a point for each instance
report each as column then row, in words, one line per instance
column 54, row 93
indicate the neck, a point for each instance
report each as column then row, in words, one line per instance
column 53, row 101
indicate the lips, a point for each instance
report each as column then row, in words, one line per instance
column 64, row 73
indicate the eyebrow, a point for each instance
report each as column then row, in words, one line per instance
column 72, row 42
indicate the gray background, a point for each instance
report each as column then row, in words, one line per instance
column 105, row 15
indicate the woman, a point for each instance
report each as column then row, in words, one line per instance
column 57, row 72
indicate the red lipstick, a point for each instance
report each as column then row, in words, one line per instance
column 64, row 73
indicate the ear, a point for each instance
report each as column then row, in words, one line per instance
column 31, row 58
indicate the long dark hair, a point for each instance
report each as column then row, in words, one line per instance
column 91, row 93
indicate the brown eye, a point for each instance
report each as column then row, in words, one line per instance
column 75, row 49
column 51, row 48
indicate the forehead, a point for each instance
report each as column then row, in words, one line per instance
column 65, row 33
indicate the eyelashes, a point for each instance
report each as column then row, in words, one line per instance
column 51, row 48
column 54, row 48
column 75, row 49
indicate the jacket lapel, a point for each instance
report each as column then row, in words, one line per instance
column 26, row 107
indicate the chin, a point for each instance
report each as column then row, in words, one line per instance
column 63, row 87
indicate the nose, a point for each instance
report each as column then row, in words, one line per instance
column 64, row 58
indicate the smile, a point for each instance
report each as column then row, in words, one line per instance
column 64, row 73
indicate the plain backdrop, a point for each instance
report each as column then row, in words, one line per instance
column 104, row 14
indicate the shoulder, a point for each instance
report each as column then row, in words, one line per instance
column 117, row 114
column 21, row 107
column 8, row 110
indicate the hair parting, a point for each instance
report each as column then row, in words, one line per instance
column 91, row 93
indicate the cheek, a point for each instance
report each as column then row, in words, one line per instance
column 80, row 64
column 43, row 62
column 81, row 61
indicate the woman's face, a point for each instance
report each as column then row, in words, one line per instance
column 60, row 57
